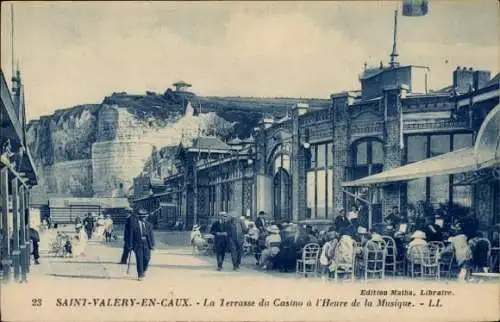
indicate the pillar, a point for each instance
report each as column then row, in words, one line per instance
column 22, row 234
column 5, row 247
column 16, row 252
column 27, row 223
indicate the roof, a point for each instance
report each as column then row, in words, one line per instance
column 447, row 89
column 101, row 202
column 181, row 83
column 209, row 143
column 494, row 81
column 449, row 163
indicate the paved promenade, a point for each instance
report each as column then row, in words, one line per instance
column 95, row 287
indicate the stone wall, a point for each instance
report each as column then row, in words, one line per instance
column 115, row 162
column 70, row 178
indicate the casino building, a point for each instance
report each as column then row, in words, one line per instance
column 392, row 143
column 311, row 163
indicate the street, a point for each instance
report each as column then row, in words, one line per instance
column 181, row 285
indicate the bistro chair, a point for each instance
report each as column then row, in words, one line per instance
column 391, row 259
column 374, row 257
column 414, row 257
column 248, row 246
column 446, row 261
column 345, row 265
column 436, row 245
column 430, row 267
column 309, row 262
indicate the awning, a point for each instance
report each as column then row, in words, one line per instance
column 449, row 163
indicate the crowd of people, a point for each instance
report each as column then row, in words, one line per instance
column 73, row 244
column 279, row 245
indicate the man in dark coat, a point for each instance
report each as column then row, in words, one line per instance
column 219, row 231
column 126, row 251
column 260, row 222
column 341, row 220
column 141, row 240
column 89, row 223
column 236, row 238
column 35, row 239
column 394, row 218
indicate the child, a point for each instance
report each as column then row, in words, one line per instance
column 196, row 239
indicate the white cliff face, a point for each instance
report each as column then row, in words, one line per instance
column 126, row 143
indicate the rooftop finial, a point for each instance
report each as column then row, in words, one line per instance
column 394, row 55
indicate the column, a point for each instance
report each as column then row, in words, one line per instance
column 27, row 222
column 15, row 230
column 22, row 234
column 5, row 246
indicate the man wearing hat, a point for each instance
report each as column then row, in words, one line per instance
column 341, row 220
column 219, row 231
column 141, row 241
column 126, row 251
column 236, row 238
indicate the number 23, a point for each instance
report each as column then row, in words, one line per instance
column 36, row 302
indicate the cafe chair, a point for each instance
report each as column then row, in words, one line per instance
column 308, row 264
column 430, row 267
column 414, row 258
column 344, row 266
column 391, row 259
column 374, row 257
column 436, row 245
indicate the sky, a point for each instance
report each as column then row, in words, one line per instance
column 77, row 53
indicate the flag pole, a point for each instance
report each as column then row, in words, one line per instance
column 12, row 38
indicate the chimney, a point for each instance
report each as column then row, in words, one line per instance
column 301, row 108
column 481, row 78
column 463, row 79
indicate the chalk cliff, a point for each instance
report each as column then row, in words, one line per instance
column 87, row 150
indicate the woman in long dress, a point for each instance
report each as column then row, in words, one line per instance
column 79, row 241
column 100, row 227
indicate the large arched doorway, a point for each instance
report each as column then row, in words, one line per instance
column 279, row 171
column 282, row 196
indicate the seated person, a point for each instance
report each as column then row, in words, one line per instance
column 432, row 231
column 272, row 246
column 289, row 250
column 394, row 218
column 418, row 240
column 461, row 250
column 253, row 231
column 328, row 250
column 479, row 248
column 344, row 252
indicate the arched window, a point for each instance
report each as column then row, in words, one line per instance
column 368, row 158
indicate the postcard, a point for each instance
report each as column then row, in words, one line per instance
column 250, row 161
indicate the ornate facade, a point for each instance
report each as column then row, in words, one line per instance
column 295, row 168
